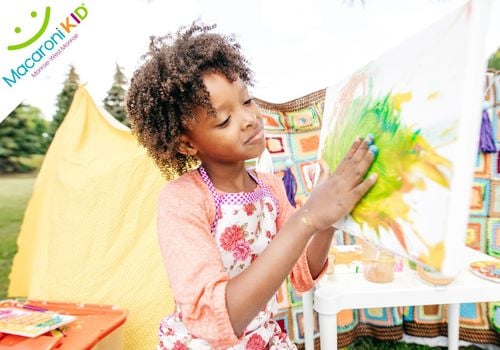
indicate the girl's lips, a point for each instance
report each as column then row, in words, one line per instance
column 256, row 136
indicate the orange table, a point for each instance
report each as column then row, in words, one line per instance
column 94, row 326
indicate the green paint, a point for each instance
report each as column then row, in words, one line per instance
column 394, row 142
column 404, row 160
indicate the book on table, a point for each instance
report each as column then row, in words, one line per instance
column 30, row 323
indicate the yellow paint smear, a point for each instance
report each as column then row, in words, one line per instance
column 433, row 95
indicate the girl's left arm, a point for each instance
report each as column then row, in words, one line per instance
column 317, row 251
column 312, row 263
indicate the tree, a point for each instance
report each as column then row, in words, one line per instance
column 114, row 102
column 494, row 60
column 64, row 100
column 23, row 134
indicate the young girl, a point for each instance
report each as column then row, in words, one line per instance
column 228, row 236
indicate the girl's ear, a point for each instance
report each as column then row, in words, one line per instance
column 186, row 147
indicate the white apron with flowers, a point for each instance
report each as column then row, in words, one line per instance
column 245, row 224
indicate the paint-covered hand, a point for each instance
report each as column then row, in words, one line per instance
column 336, row 194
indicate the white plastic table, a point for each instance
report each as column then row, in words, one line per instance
column 353, row 291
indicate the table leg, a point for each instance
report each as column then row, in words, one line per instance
column 307, row 307
column 453, row 326
column 328, row 331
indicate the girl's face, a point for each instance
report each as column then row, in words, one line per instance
column 236, row 133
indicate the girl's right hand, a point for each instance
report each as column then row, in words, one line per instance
column 336, row 194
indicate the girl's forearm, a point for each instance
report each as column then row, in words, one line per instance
column 249, row 292
column 317, row 250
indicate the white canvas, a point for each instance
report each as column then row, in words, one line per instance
column 422, row 101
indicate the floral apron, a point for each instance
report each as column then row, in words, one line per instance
column 245, row 223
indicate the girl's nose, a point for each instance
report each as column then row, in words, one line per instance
column 250, row 118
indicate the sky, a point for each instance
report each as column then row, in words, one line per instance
column 294, row 47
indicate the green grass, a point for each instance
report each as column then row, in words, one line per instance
column 15, row 191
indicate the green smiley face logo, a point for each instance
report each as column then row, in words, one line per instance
column 36, row 36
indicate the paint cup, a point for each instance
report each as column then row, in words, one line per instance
column 378, row 263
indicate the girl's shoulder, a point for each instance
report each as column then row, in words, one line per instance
column 188, row 187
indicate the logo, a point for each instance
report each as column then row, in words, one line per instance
column 47, row 49
column 35, row 37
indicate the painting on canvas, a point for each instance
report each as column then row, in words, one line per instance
column 421, row 101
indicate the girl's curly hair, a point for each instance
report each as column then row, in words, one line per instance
column 168, row 88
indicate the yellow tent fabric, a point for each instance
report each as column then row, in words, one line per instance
column 89, row 231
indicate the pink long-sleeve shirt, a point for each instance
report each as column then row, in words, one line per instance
column 194, row 266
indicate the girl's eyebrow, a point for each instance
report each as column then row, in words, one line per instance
column 221, row 108
column 244, row 92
